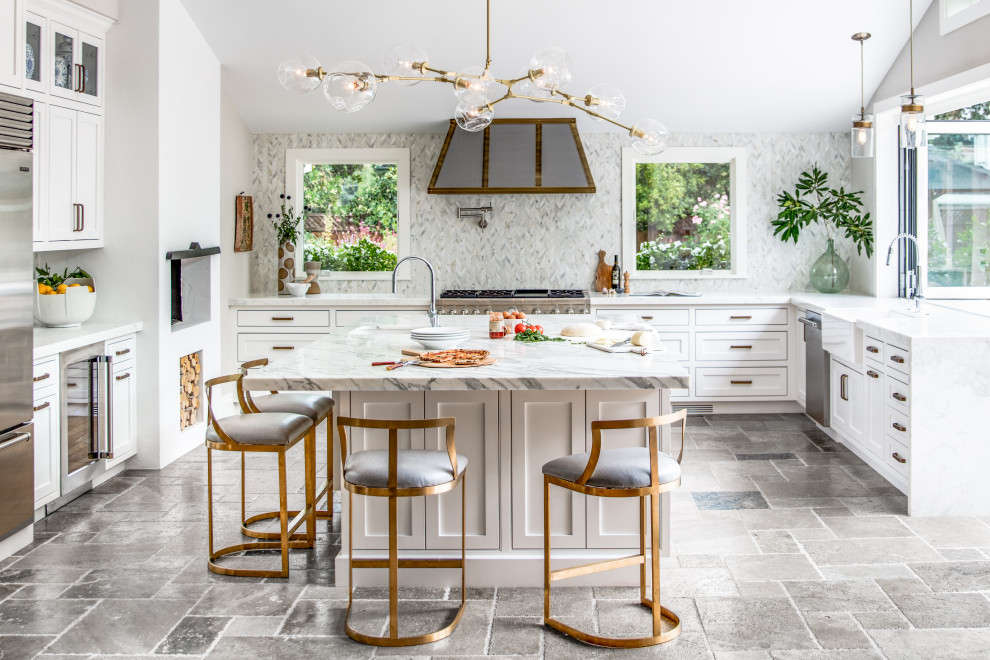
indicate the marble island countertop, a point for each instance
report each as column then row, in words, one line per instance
column 342, row 361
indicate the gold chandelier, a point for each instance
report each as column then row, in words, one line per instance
column 351, row 85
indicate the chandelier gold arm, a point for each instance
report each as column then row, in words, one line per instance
column 316, row 73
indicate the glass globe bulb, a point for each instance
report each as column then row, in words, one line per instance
column 649, row 137
column 475, row 81
column 350, row 86
column 399, row 61
column 609, row 101
column 861, row 137
column 292, row 73
column 551, row 68
column 473, row 113
column 913, row 133
column 526, row 87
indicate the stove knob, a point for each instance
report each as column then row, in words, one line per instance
column 555, row 311
column 570, row 311
column 465, row 312
column 442, row 311
column 537, row 311
column 477, row 311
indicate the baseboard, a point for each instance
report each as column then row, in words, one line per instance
column 16, row 541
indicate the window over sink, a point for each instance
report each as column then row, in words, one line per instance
column 357, row 208
column 683, row 213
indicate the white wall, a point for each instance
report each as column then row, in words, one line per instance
column 236, row 171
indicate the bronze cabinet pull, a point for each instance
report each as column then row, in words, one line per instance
column 123, row 352
column 740, row 347
column 283, row 318
column 72, row 384
column 646, row 318
column 42, row 406
column 872, row 374
column 842, row 387
column 740, row 318
column 82, row 217
column 900, row 427
column 897, row 457
column 872, row 349
column 82, row 78
column 897, row 358
column 123, row 376
column 898, row 396
column 42, row 377
column 740, row 382
column 283, row 348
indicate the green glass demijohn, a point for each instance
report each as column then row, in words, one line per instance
column 829, row 273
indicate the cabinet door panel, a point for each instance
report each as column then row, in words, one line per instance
column 124, row 413
column 476, row 437
column 875, row 393
column 62, row 215
column 370, row 521
column 614, row 522
column 12, row 48
column 545, row 426
column 46, row 449
column 849, row 402
column 36, row 73
column 91, row 61
column 87, row 174
column 62, row 60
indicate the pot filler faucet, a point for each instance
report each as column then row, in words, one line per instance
column 914, row 276
column 432, row 313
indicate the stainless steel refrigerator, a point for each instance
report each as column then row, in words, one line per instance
column 16, row 317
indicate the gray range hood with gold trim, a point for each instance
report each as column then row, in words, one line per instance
column 513, row 156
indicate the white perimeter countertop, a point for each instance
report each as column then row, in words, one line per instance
column 49, row 341
column 342, row 361
column 330, row 300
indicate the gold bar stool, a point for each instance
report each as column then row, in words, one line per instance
column 318, row 408
column 632, row 472
column 263, row 432
column 395, row 473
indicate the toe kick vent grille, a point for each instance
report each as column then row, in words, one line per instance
column 694, row 408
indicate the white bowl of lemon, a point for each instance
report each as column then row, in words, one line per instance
column 68, row 305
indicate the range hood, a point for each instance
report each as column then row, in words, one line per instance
column 513, row 156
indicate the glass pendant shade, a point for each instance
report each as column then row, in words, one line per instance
column 527, row 87
column 350, row 86
column 473, row 113
column 913, row 133
column 292, row 74
column 399, row 60
column 861, row 138
column 476, row 82
column 649, row 137
column 551, row 68
column 611, row 102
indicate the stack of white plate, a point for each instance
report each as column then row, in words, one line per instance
column 438, row 339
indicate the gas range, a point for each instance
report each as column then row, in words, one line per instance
column 530, row 301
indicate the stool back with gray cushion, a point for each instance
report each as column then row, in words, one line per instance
column 314, row 406
column 395, row 473
column 641, row 472
column 272, row 432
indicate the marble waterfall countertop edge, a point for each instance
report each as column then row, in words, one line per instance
column 51, row 341
column 342, row 361
column 330, row 300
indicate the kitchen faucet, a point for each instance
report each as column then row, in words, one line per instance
column 432, row 313
column 914, row 276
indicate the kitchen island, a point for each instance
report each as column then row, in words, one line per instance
column 534, row 404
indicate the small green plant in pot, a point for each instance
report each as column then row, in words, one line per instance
column 813, row 201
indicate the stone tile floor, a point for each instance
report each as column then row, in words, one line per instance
column 786, row 546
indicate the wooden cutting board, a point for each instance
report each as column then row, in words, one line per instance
column 603, row 274
column 446, row 365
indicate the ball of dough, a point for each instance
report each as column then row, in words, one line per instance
column 642, row 338
column 581, row 330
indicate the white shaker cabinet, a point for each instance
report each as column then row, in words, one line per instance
column 11, row 43
column 876, row 392
column 74, row 178
column 850, row 412
column 123, row 400
column 76, row 61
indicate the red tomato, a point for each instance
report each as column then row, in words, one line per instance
column 520, row 327
column 538, row 328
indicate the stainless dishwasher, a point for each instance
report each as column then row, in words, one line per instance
column 815, row 369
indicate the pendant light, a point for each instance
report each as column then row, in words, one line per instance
column 861, row 144
column 912, row 105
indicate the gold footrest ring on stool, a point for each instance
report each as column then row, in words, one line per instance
column 270, row 515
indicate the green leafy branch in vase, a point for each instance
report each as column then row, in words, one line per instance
column 814, row 201
column 286, row 223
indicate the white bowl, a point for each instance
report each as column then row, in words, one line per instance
column 69, row 309
column 441, row 344
column 441, row 331
column 297, row 289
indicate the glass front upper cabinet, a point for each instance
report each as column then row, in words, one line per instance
column 35, row 57
column 76, row 65
column 63, row 69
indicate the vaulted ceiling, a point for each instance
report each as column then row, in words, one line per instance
column 696, row 65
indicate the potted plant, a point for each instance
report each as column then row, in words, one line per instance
column 814, row 201
column 64, row 300
column 286, row 226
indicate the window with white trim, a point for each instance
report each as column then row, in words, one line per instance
column 954, row 14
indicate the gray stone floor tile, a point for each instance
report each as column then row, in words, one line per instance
column 882, row 620
column 254, row 626
column 954, row 576
column 23, row 647
column 470, row 637
column 248, row 600
column 757, row 568
column 962, row 554
column 137, row 626
column 951, row 532
column 775, row 541
column 868, row 527
column 88, row 555
column 945, row 610
column 866, row 572
column 870, row 551
column 38, row 591
column 719, row 500
column 119, row 583
column 780, row 519
column 929, row 644
column 761, row 589
column 315, row 618
column 740, row 624
column 40, row 617
column 700, row 561
column 832, row 512
column 528, row 601
column 315, row 648
column 837, row 630
column 838, row 596
column 194, row 635
column 900, row 586
column 516, row 636
column 52, row 574
column 827, row 654
column 694, row 582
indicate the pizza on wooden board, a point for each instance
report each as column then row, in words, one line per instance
column 456, row 355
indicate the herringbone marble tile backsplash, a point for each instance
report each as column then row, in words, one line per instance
column 553, row 240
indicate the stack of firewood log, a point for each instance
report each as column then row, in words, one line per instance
column 189, row 389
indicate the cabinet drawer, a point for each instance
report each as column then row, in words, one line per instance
column 740, row 381
column 284, row 318
column 873, row 349
column 122, row 350
column 742, row 316
column 740, row 346
column 273, row 347
column 677, row 344
column 45, row 372
column 896, row 455
column 898, row 359
column 896, row 424
column 346, row 317
column 661, row 316
column 898, row 394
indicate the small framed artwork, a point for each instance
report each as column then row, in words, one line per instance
column 243, row 224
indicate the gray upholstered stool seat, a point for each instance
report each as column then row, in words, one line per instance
column 616, row 468
column 415, row 468
column 314, row 406
column 262, row 428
